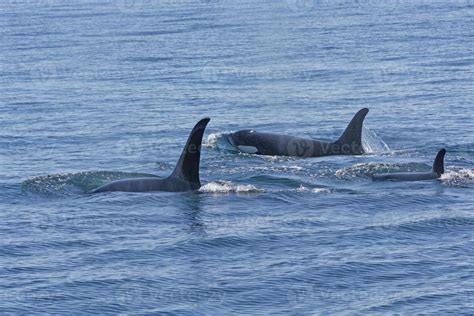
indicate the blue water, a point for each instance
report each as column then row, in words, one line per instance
column 92, row 91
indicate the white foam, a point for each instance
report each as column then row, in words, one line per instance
column 320, row 190
column 212, row 140
column 228, row 187
column 303, row 189
column 459, row 177
column 297, row 168
column 360, row 169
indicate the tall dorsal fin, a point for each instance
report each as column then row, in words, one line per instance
column 438, row 165
column 352, row 136
column 187, row 168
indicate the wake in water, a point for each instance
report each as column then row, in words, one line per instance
column 459, row 178
column 75, row 183
column 220, row 187
column 227, row 187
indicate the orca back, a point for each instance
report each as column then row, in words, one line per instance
column 405, row 176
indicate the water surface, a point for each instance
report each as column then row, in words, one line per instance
column 97, row 91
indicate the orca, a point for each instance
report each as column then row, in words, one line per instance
column 185, row 176
column 253, row 142
column 435, row 173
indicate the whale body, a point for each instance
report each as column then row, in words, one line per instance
column 435, row 173
column 185, row 176
column 253, row 142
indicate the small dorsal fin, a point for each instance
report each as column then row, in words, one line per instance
column 187, row 168
column 438, row 165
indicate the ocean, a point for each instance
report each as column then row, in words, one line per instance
column 94, row 91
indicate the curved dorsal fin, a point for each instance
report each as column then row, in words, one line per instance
column 352, row 136
column 187, row 168
column 438, row 165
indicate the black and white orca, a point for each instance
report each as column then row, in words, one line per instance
column 253, row 142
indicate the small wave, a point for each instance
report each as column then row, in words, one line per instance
column 228, row 187
column 461, row 177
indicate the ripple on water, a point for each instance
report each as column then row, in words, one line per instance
column 268, row 235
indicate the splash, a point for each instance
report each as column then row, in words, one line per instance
column 213, row 140
column 460, row 178
column 228, row 187
column 372, row 143
column 219, row 141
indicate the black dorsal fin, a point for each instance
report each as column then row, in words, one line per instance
column 187, row 168
column 438, row 165
column 352, row 136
